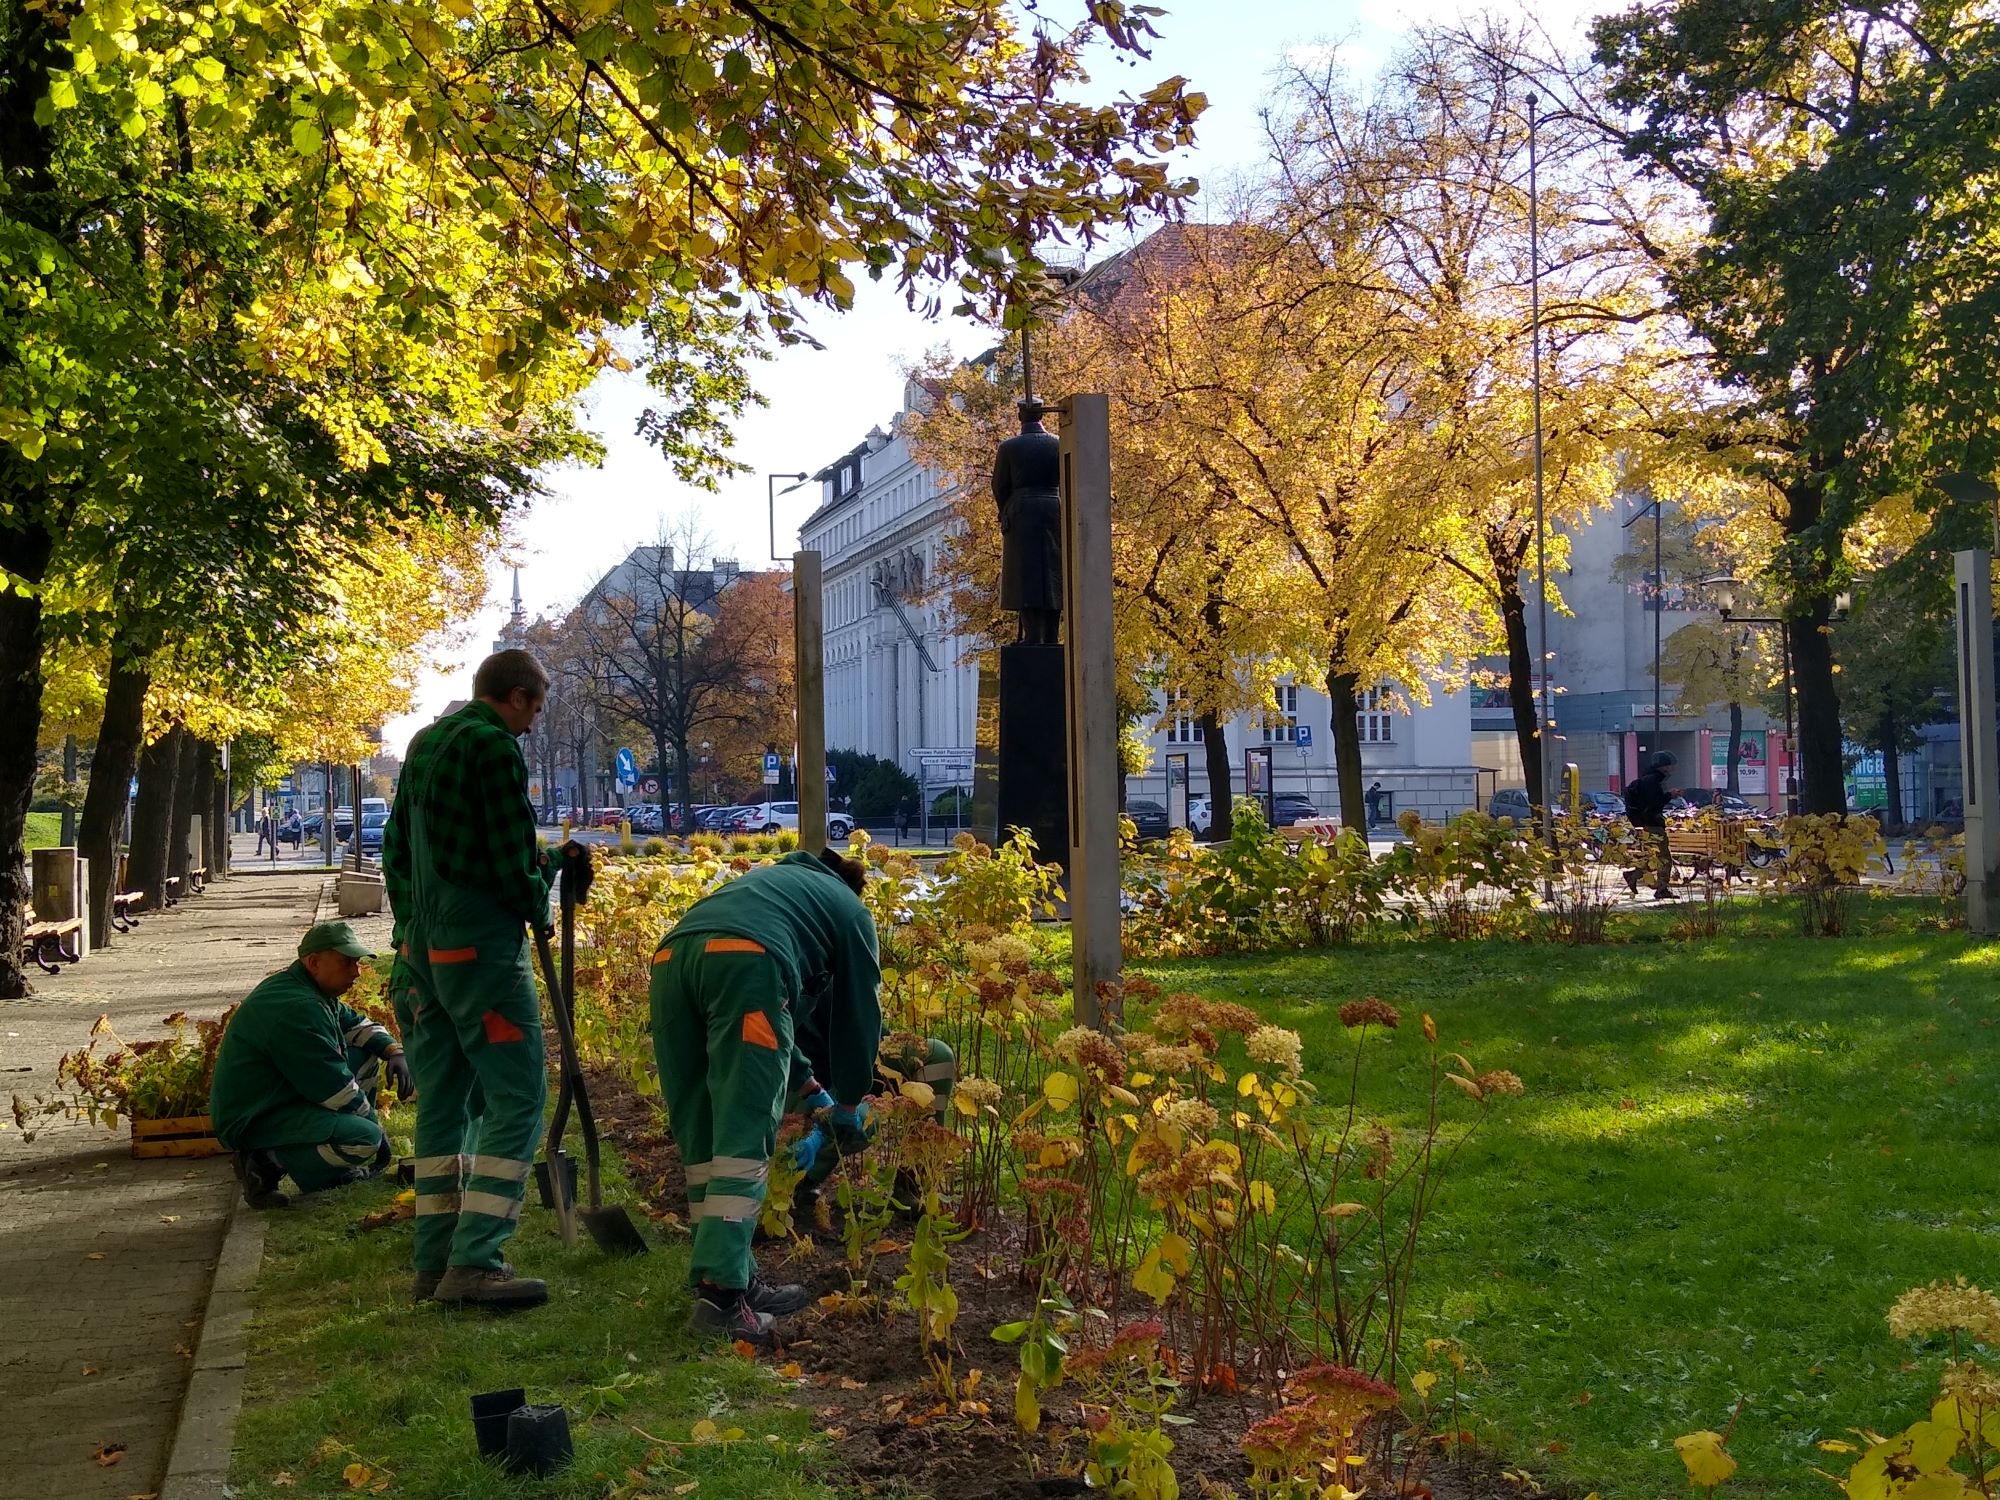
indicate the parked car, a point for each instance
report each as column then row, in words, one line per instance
column 1198, row 816
column 1288, row 808
column 372, row 824
column 783, row 817
column 1727, row 803
column 1511, row 802
column 645, row 817
column 343, row 825
column 1603, row 805
column 1149, row 817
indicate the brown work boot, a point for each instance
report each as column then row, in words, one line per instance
column 260, row 1174
column 499, row 1289
column 424, row 1286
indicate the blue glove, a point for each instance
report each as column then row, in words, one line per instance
column 813, row 1103
column 806, row 1149
column 850, row 1126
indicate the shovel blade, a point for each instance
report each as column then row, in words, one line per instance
column 613, row 1230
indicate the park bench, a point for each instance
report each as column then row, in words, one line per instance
column 1311, row 830
column 1709, row 846
column 197, row 879
column 50, row 944
column 124, row 909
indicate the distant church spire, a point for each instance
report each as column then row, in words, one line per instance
column 515, row 632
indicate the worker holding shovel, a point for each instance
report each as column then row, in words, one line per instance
column 469, row 880
column 785, row 949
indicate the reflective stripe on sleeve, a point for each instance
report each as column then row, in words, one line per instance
column 364, row 1031
column 698, row 1173
column 504, row 1168
column 347, row 1094
column 940, row 1072
column 491, row 1204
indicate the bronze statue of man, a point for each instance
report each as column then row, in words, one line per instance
column 1027, row 487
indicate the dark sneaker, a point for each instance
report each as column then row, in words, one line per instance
column 501, row 1290
column 777, row 1299
column 260, row 1175
column 730, row 1316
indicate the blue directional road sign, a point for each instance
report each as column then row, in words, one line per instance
column 628, row 769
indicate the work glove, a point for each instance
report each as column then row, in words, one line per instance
column 850, row 1126
column 397, row 1066
column 806, row 1150
column 816, row 1101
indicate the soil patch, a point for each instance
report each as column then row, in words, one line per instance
column 858, row 1368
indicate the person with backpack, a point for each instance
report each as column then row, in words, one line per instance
column 1646, row 808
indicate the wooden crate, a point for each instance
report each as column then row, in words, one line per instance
column 191, row 1135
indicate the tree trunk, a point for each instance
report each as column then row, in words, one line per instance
column 111, row 767
column 681, row 773
column 1736, row 748
column 152, row 813
column 26, row 554
column 1822, row 781
column 180, row 820
column 1521, row 688
column 1344, row 689
column 1892, row 773
column 1221, row 801
column 202, row 803
column 220, row 804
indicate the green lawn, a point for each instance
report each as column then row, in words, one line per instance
column 1732, row 1155
column 343, row 1369
column 44, row 828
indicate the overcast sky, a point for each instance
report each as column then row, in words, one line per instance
column 822, row 402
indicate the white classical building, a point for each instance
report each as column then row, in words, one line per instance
column 898, row 679
column 901, row 681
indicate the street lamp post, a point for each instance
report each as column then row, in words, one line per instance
column 772, row 492
column 1543, row 731
column 1659, row 588
column 1725, row 603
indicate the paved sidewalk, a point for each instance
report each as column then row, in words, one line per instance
column 105, row 1262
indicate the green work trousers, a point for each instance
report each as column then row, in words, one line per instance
column 722, row 1036
column 318, row 1148
column 474, row 1037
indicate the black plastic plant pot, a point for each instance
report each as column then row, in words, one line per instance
column 406, row 1171
column 538, row 1441
column 489, row 1419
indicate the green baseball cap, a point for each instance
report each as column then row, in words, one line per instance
column 332, row 937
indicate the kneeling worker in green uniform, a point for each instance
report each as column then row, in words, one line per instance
column 784, row 950
column 297, row 1074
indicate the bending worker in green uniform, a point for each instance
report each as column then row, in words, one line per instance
column 297, row 1074
column 784, row 951
column 468, row 878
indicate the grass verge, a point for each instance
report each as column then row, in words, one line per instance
column 343, row 1370
column 44, row 828
column 1732, row 1155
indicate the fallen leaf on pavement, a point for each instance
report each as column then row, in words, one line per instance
column 108, row 1454
column 95, row 1255
column 88, row 1370
column 184, row 1351
column 170, row 1218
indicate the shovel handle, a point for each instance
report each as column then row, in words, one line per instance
column 558, row 1183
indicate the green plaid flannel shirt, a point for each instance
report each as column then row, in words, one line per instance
column 477, row 819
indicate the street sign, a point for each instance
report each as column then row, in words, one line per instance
column 649, row 786
column 770, row 768
column 1305, row 737
column 829, row 776
column 628, row 769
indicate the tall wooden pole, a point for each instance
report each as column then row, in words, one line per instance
column 809, row 684
column 1979, row 749
column 1092, row 701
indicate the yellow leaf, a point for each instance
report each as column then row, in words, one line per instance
column 1430, row 1029
column 1027, row 1405
column 1422, row 1382
column 1708, row 1463
column 1263, row 1197
column 703, row 1431
column 1468, row 1086
column 354, row 1476
column 1247, row 1084
column 964, row 1105
column 1177, row 1252
column 1835, row 1445
column 922, row 1093
column 1061, row 1090
column 689, row 1488
column 1346, row 1210
column 1154, row 1279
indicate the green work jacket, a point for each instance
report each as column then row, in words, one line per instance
column 823, row 940
column 288, row 1045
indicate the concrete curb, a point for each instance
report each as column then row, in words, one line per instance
column 198, row 1465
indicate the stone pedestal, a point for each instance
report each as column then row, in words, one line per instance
column 358, row 893
column 1033, row 791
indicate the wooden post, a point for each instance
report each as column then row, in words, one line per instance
column 1979, row 751
column 809, row 685
column 1092, row 702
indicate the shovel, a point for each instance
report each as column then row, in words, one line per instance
column 611, row 1227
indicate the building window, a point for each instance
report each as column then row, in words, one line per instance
column 1182, row 727
column 1375, row 716
column 1280, row 722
